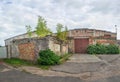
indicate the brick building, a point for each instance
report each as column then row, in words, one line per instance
column 79, row 39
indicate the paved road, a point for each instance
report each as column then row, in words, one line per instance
column 80, row 63
column 2, row 67
column 110, row 79
column 17, row 76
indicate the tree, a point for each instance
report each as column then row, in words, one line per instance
column 29, row 30
column 61, row 34
column 41, row 29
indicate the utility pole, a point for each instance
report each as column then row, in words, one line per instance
column 116, row 28
column 116, row 31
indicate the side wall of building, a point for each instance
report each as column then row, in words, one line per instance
column 28, row 49
column 9, row 43
column 58, row 47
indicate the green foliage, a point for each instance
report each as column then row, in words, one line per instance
column 48, row 57
column 91, row 49
column 102, row 49
column 17, row 62
column 29, row 30
column 61, row 34
column 112, row 49
column 41, row 29
column 44, row 67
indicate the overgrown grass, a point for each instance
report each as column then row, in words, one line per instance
column 44, row 67
column 16, row 62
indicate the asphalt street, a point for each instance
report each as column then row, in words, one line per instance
column 13, row 75
column 17, row 76
column 110, row 79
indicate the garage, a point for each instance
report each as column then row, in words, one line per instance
column 81, row 45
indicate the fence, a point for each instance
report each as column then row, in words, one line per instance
column 3, row 53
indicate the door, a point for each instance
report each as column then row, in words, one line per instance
column 81, row 45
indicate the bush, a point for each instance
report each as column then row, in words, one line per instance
column 96, row 49
column 48, row 57
column 91, row 49
column 102, row 49
column 112, row 49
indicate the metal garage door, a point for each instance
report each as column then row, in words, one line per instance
column 81, row 45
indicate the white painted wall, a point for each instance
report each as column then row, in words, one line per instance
column 3, row 53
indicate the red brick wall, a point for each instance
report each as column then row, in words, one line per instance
column 80, row 33
column 103, row 41
column 91, row 33
column 26, row 51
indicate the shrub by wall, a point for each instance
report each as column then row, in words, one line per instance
column 112, row 49
column 91, row 49
column 102, row 49
column 48, row 57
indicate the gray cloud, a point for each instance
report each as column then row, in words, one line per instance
column 99, row 14
column 106, row 6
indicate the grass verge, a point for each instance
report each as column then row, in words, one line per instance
column 16, row 62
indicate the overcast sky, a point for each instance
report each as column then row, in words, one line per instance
column 97, row 14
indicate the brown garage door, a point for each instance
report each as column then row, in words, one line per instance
column 81, row 45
